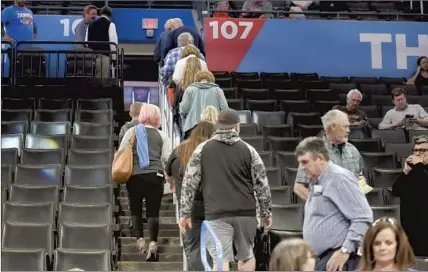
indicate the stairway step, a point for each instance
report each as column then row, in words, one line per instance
column 163, row 257
column 125, row 224
column 162, row 232
column 161, row 241
column 162, row 213
column 124, row 204
column 153, row 266
column 132, row 248
column 165, row 200
column 125, row 220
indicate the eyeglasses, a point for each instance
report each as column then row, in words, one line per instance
column 390, row 220
column 419, row 150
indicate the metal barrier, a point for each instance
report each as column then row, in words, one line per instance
column 205, row 230
column 331, row 14
column 168, row 126
column 26, row 63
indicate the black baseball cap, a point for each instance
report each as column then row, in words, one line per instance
column 228, row 119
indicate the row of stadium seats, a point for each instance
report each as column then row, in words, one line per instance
column 58, row 201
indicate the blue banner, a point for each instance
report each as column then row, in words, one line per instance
column 329, row 48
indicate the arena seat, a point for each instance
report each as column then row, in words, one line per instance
column 94, row 260
column 23, row 259
column 281, row 195
column 38, row 157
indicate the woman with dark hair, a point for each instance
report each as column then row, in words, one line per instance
column 174, row 169
column 420, row 78
column 386, row 248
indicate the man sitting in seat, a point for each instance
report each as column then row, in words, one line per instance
column 356, row 116
column 409, row 116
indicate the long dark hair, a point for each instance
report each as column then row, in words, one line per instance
column 202, row 132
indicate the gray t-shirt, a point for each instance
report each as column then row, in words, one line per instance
column 394, row 115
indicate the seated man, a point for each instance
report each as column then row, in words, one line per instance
column 409, row 116
column 356, row 116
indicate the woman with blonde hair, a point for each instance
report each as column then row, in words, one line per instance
column 151, row 150
column 175, row 168
column 386, row 247
column 210, row 114
column 292, row 255
column 187, row 66
column 199, row 95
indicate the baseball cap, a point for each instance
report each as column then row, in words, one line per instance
column 227, row 119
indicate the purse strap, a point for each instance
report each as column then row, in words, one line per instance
column 132, row 138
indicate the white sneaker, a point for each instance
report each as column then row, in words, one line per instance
column 142, row 245
column 152, row 253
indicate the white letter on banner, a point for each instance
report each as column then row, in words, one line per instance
column 376, row 40
column 224, row 32
column 66, row 23
column 248, row 27
column 403, row 51
column 214, row 25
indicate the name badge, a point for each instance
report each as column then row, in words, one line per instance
column 317, row 189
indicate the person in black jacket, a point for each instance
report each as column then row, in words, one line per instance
column 174, row 169
column 233, row 181
column 412, row 187
column 177, row 29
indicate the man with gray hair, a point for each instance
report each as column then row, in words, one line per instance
column 341, row 152
column 337, row 214
column 158, row 54
column 356, row 116
column 174, row 55
column 411, row 188
column 178, row 28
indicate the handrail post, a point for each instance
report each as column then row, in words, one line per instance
column 205, row 230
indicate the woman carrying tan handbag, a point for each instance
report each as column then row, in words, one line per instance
column 150, row 149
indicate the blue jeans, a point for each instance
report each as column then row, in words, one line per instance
column 350, row 265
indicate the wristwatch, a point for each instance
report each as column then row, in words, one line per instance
column 344, row 250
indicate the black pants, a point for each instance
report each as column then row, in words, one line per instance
column 192, row 246
column 150, row 188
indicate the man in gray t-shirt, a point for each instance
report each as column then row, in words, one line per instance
column 409, row 116
column 89, row 14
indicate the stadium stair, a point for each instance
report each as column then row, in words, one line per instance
column 170, row 251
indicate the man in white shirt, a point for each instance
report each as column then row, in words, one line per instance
column 409, row 116
column 103, row 30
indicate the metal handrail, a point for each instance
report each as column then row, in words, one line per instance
column 24, row 49
column 336, row 14
column 205, row 230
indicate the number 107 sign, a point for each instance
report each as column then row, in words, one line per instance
column 230, row 29
column 227, row 40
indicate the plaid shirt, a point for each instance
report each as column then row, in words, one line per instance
column 171, row 60
column 349, row 159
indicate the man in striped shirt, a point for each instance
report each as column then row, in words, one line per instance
column 337, row 214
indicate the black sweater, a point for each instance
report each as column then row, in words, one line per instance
column 412, row 190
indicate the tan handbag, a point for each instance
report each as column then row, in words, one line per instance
column 123, row 162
